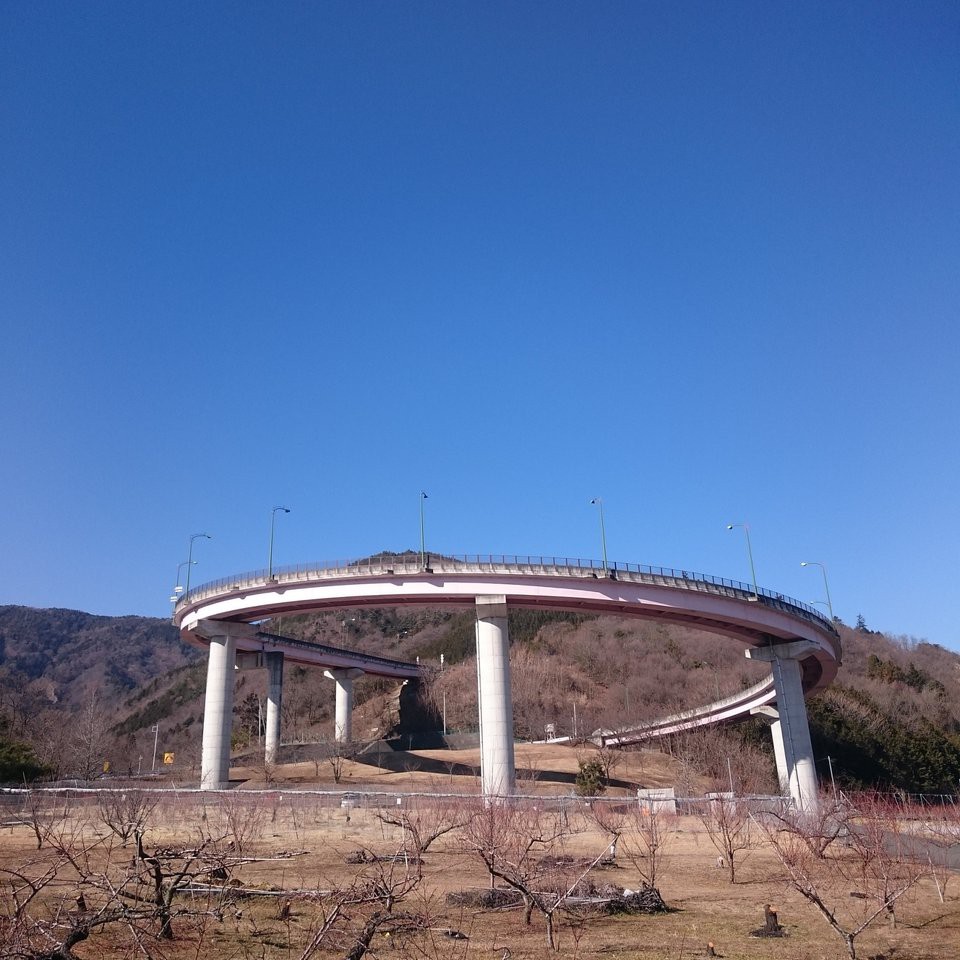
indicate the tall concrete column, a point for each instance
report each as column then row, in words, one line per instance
column 784, row 761
column 497, row 770
column 784, row 660
column 343, row 720
column 274, row 661
column 218, row 713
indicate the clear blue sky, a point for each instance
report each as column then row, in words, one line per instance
column 700, row 259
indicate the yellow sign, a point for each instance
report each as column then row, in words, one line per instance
column 106, row 766
column 168, row 758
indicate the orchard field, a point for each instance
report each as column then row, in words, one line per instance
column 409, row 865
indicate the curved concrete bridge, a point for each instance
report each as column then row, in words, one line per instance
column 801, row 645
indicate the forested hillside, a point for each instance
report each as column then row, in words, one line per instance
column 79, row 689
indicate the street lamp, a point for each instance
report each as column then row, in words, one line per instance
column 444, row 698
column 753, row 572
column 190, row 560
column 826, row 586
column 273, row 520
column 423, row 564
column 603, row 533
column 177, row 590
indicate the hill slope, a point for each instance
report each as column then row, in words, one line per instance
column 892, row 718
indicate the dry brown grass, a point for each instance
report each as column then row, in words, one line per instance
column 706, row 906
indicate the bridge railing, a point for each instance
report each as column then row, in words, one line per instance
column 510, row 564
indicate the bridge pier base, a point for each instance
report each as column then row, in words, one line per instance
column 218, row 713
column 497, row 770
column 274, row 662
column 343, row 720
column 791, row 731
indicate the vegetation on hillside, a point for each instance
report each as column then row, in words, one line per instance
column 77, row 689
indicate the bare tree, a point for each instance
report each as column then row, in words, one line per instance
column 874, row 864
column 351, row 916
column 336, row 753
column 242, row 819
column 646, row 839
column 730, row 828
column 89, row 738
column 425, row 821
column 94, row 888
column 125, row 812
column 42, row 810
column 518, row 844
column 821, row 829
column 942, row 838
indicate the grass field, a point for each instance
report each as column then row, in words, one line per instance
column 283, row 856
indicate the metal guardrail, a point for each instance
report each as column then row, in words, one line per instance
column 511, row 565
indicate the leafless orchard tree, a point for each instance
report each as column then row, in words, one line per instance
column 942, row 836
column 350, row 916
column 519, row 844
column 42, row 810
column 241, row 818
column 830, row 823
column 126, row 812
column 730, row 827
column 425, row 820
column 646, row 839
column 851, row 885
column 84, row 884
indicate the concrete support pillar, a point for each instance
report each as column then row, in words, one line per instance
column 343, row 720
column 274, row 661
column 498, row 774
column 784, row 766
column 218, row 713
column 781, row 747
column 794, row 732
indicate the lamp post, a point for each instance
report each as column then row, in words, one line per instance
column 273, row 520
column 177, row 590
column 826, row 586
column 603, row 532
column 444, row 699
column 423, row 564
column 190, row 560
column 753, row 572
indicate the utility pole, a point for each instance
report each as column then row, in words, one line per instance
column 444, row 698
column 156, row 736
